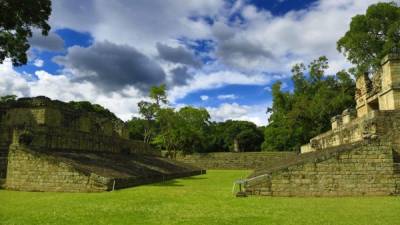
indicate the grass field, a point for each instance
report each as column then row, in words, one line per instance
column 205, row 199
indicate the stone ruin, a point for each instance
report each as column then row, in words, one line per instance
column 360, row 155
column 48, row 145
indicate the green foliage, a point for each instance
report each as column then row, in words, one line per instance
column 8, row 98
column 135, row 127
column 372, row 36
column 185, row 130
column 149, row 110
column 296, row 117
column 168, row 135
column 223, row 135
column 89, row 107
column 159, row 94
column 189, row 129
column 193, row 129
column 17, row 18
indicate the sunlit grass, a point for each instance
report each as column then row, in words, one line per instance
column 205, row 199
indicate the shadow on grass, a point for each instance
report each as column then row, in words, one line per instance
column 175, row 182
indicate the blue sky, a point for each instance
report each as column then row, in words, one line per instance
column 223, row 55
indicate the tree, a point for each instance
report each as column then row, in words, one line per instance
column 184, row 130
column 244, row 133
column 168, row 135
column 193, row 129
column 148, row 110
column 298, row 116
column 136, row 126
column 372, row 36
column 17, row 19
column 159, row 94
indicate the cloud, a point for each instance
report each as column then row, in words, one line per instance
column 180, row 76
column 123, row 103
column 38, row 63
column 140, row 21
column 12, row 83
column 234, row 111
column 263, row 42
column 112, row 67
column 215, row 79
column 177, row 55
column 229, row 96
column 52, row 42
column 204, row 97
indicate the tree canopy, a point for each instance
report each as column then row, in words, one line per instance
column 372, row 36
column 304, row 113
column 189, row 129
column 17, row 19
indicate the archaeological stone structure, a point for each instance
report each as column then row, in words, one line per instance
column 360, row 155
column 234, row 160
column 48, row 145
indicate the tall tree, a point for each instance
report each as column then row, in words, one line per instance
column 168, row 135
column 159, row 94
column 193, row 129
column 149, row 110
column 17, row 19
column 372, row 36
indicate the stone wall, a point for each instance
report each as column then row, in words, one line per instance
column 62, row 139
column 31, row 171
column 48, row 145
column 57, row 126
column 35, row 170
column 367, row 168
column 233, row 160
column 373, row 124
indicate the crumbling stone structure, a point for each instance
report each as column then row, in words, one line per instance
column 48, row 145
column 359, row 156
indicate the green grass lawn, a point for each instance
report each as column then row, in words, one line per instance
column 205, row 199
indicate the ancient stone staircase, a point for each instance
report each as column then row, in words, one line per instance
column 362, row 168
column 396, row 164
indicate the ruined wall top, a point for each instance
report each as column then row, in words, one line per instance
column 42, row 111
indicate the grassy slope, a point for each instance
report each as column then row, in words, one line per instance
column 203, row 199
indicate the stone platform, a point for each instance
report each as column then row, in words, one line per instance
column 31, row 170
column 48, row 145
column 362, row 168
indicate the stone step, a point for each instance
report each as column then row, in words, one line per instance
column 397, row 168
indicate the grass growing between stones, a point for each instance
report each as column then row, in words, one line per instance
column 205, row 199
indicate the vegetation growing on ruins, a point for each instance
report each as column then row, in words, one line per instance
column 372, row 36
column 7, row 98
column 17, row 20
column 89, row 107
column 205, row 199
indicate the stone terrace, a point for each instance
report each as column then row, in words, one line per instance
column 48, row 145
